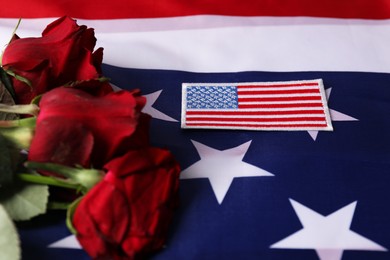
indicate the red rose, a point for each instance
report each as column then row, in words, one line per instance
column 76, row 128
column 62, row 55
column 127, row 214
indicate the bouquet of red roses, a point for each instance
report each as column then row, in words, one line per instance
column 68, row 141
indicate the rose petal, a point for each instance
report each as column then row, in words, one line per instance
column 60, row 141
column 111, row 118
column 102, row 220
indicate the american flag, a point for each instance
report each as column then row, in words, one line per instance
column 248, row 194
column 295, row 105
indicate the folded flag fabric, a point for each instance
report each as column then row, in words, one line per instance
column 307, row 194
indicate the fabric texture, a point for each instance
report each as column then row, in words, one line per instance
column 309, row 194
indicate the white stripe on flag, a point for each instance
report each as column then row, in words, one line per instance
column 208, row 43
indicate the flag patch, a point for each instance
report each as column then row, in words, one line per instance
column 287, row 105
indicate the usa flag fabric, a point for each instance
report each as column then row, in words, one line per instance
column 306, row 194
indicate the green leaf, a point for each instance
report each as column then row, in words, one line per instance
column 6, row 81
column 29, row 122
column 69, row 215
column 58, row 205
column 9, row 158
column 6, row 99
column 36, row 100
column 18, row 77
column 50, row 180
column 30, row 109
column 20, row 137
column 88, row 178
column 9, row 239
column 15, row 29
column 26, row 202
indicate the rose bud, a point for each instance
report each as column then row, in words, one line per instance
column 127, row 215
column 63, row 55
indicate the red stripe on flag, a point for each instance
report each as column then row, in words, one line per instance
column 115, row 9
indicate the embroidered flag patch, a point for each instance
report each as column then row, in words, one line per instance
column 286, row 105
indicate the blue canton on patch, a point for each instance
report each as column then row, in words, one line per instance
column 212, row 97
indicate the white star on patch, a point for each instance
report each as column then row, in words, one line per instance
column 334, row 115
column 328, row 235
column 148, row 109
column 221, row 167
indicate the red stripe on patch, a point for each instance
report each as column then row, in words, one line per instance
column 277, row 99
column 288, row 105
column 308, row 84
column 276, row 92
column 254, row 126
column 248, row 113
column 244, row 119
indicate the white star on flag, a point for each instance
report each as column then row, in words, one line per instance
column 221, row 167
column 328, row 235
column 334, row 116
column 69, row 242
column 115, row 87
column 148, row 109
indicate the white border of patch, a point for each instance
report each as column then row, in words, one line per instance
column 324, row 102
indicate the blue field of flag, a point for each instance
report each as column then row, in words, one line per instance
column 342, row 174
